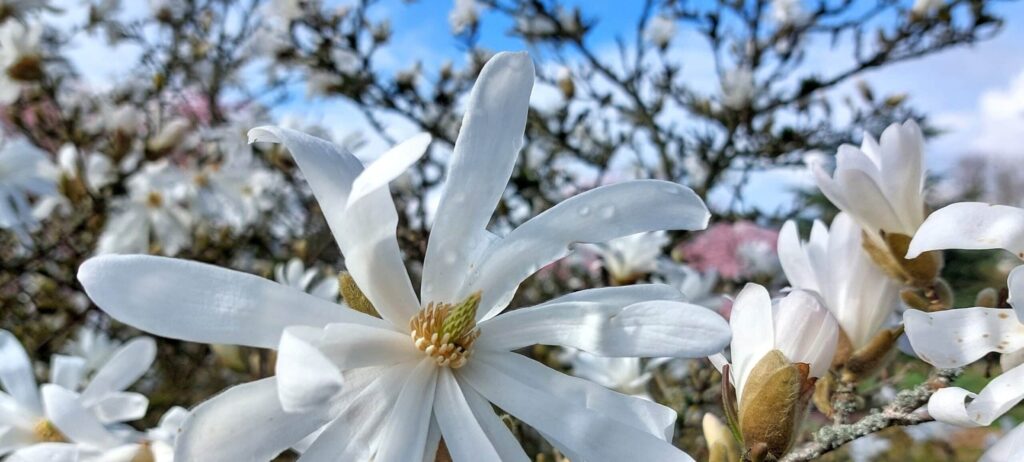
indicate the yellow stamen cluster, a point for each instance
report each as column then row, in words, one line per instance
column 46, row 432
column 446, row 332
column 154, row 199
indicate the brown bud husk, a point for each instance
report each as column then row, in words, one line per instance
column 722, row 446
column 774, row 405
column 871, row 358
column 352, row 295
column 918, row 271
column 823, row 390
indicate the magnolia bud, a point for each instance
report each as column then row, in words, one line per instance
column 774, row 404
column 987, row 298
column 352, row 295
column 722, row 445
column 872, row 357
column 919, row 271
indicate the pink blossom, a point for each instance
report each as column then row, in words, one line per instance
column 736, row 251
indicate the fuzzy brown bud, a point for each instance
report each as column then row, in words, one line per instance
column 773, row 405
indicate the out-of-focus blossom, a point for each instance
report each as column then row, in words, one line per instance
column 96, row 169
column 21, row 58
column 20, row 9
column 464, row 15
column 235, row 192
column 79, row 419
column 154, row 208
column 25, row 172
column 738, row 88
column 443, row 360
column 733, row 250
column 697, row 287
column 834, row 265
column 788, row 12
column 624, row 375
column 631, row 257
column 778, row 349
column 660, row 31
column 295, row 274
column 926, row 7
column 94, row 346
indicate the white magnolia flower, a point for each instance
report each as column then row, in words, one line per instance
column 464, row 14
column 955, row 338
column 630, row 257
column 236, row 192
column 94, row 346
column 25, row 172
column 698, row 288
column 295, row 274
column 738, row 88
column 58, row 412
column 788, row 12
column 795, row 325
column 881, row 184
column 834, row 264
column 660, row 31
column 96, row 169
column 389, row 388
column 21, row 58
column 154, row 208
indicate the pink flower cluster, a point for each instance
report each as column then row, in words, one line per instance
column 738, row 250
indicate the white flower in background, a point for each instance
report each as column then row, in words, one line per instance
column 881, row 185
column 630, row 257
column 21, row 57
column 155, row 444
column 464, row 15
column 287, row 10
column 758, row 258
column 170, row 135
column 18, row 9
column 926, row 7
column 153, row 209
column 958, row 337
column 833, row 264
column 697, row 288
column 624, row 375
column 25, row 172
column 96, row 169
column 738, row 88
column 94, row 346
column 423, row 371
column 788, row 12
column 295, row 274
column 60, row 412
column 235, row 192
column 660, row 31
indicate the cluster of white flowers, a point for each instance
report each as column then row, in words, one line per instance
column 82, row 413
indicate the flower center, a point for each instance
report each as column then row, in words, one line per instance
column 46, row 432
column 446, row 332
column 154, row 199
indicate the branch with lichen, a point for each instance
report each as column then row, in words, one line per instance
column 902, row 411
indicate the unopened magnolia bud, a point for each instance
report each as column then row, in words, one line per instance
column 774, row 404
column 230, row 356
column 170, row 135
column 919, row 271
column 352, row 295
column 914, row 298
column 941, row 294
column 823, row 390
column 987, row 298
column 872, row 357
column 722, row 446
column 566, row 84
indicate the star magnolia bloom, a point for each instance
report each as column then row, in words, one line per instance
column 24, row 172
column 833, row 264
column 295, row 274
column 32, row 415
column 389, row 388
column 153, row 207
column 955, row 338
column 21, row 60
column 629, row 257
column 881, row 184
column 697, row 287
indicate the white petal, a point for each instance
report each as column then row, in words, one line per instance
column 365, row 232
column 75, row 421
column 998, row 397
column 245, row 422
column 359, row 416
column 124, row 367
column 203, row 303
column 971, row 225
column 463, row 435
column 481, row 164
column 501, row 437
column 645, row 329
column 16, row 374
column 597, row 215
column 405, row 435
column 753, row 331
column 868, row 204
column 805, row 331
column 120, row 407
column 433, row 442
column 633, row 411
column 67, row 371
column 1008, row 449
column 589, row 433
column 391, row 165
column 794, row 260
column 13, row 414
column 1015, row 285
column 955, row 338
column 902, row 172
column 621, row 295
column 48, row 452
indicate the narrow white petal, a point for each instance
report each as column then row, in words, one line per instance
column 955, row 338
column 204, row 303
column 971, row 225
column 868, row 203
column 794, row 260
column 405, row 435
column 1015, row 285
column 122, row 406
column 392, row 164
column 597, row 215
column 902, row 171
column 481, row 164
column 73, row 420
column 646, row 329
column 753, row 331
column 125, row 366
column 999, row 396
column 1009, row 448
column 805, row 331
column 501, row 437
column 245, row 422
column 365, row 231
column 67, row 371
column 16, row 374
column 590, row 434
column 621, row 295
column 433, row 442
column 49, row 452
column 463, row 435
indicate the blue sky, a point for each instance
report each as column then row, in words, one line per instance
column 976, row 93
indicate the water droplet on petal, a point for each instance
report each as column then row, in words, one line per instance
column 584, row 211
column 608, row 212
